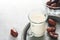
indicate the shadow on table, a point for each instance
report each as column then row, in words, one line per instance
column 52, row 38
column 38, row 38
column 42, row 38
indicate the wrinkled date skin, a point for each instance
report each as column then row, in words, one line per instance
column 14, row 33
column 51, row 22
column 53, row 5
column 49, row 3
column 51, row 29
column 53, row 34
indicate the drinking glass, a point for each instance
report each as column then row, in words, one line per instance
column 37, row 18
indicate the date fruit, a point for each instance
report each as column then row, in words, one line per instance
column 51, row 29
column 58, row 4
column 14, row 33
column 53, row 34
column 53, row 5
column 49, row 3
column 51, row 22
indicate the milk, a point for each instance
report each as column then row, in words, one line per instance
column 37, row 24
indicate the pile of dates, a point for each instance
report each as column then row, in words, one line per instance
column 52, row 28
column 54, row 3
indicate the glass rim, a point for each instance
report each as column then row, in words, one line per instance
column 37, row 22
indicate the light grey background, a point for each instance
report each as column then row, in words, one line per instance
column 13, row 13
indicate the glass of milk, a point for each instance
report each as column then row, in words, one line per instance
column 37, row 20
